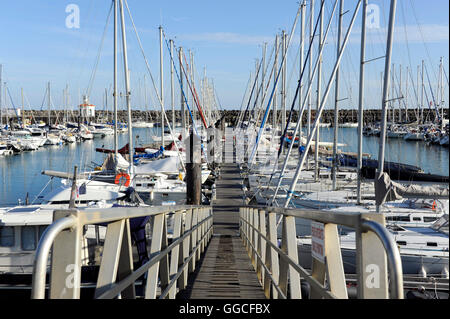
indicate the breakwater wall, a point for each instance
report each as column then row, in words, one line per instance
column 230, row 116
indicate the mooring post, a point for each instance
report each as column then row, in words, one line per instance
column 193, row 170
column 73, row 192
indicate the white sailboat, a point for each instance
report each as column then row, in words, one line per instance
column 423, row 250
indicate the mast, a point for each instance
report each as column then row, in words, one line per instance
column 106, row 100
column 183, row 111
column 400, row 96
column 311, row 39
column 192, row 86
column 316, row 123
column 66, row 101
column 406, row 95
column 387, row 71
column 127, row 87
column 308, row 93
column 263, row 71
column 48, row 104
column 1, row 101
column 441, row 102
column 417, row 95
column 145, row 99
column 115, row 82
column 258, row 65
column 422, row 95
column 23, row 108
column 275, row 96
column 300, row 91
column 391, row 99
column 6, row 108
column 172, row 86
column 267, row 109
column 319, row 81
column 283, row 83
column 161, row 82
column 336, row 101
column 361, row 102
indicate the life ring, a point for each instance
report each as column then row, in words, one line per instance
column 119, row 179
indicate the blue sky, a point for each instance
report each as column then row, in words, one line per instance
column 225, row 37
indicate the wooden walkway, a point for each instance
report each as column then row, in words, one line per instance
column 225, row 271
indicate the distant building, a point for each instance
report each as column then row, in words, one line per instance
column 87, row 110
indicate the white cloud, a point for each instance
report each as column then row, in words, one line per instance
column 429, row 33
column 227, row 37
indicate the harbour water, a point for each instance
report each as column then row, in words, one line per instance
column 21, row 174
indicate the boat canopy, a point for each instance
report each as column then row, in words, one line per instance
column 166, row 165
column 386, row 190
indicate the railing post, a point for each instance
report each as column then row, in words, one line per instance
column 116, row 259
column 65, row 278
column 332, row 268
column 255, row 215
column 240, row 220
column 159, row 227
column 202, row 230
column 199, row 233
column 246, row 227
column 193, row 240
column 126, row 262
column 249, row 230
column 335, row 265
column 261, row 245
column 289, row 247
column 371, row 263
column 182, row 283
column 210, row 224
column 164, row 263
column 174, row 256
column 272, row 258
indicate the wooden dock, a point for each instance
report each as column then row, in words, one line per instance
column 225, row 271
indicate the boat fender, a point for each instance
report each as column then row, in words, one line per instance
column 122, row 179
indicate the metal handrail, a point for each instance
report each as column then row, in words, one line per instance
column 353, row 220
column 157, row 257
column 313, row 282
column 42, row 253
column 80, row 218
column 393, row 256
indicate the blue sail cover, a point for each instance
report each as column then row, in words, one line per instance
column 157, row 154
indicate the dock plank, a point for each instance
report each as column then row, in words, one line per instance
column 225, row 271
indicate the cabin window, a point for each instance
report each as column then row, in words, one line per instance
column 41, row 231
column 28, row 238
column 429, row 219
column 401, row 243
column 416, row 219
column 398, row 218
column 432, row 244
column 6, row 236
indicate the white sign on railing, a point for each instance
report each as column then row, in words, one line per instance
column 317, row 241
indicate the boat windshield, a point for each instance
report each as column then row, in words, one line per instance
column 441, row 224
column 395, row 228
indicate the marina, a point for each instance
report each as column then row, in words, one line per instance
column 149, row 188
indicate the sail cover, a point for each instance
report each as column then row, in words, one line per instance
column 386, row 190
column 165, row 165
column 111, row 164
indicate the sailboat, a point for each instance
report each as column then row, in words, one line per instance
column 423, row 249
